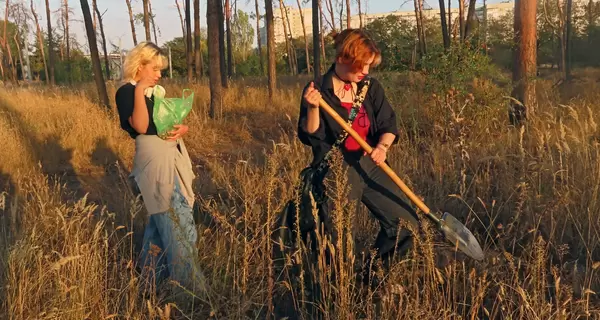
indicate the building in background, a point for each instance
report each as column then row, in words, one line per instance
column 494, row 11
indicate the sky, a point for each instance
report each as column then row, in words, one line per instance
column 116, row 17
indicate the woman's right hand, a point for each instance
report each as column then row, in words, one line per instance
column 312, row 96
column 145, row 83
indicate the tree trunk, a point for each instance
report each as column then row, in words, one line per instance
column 316, row 35
column 147, row 20
column 228, row 35
column 360, row 17
column 341, row 15
column 20, row 54
column 106, row 61
column 348, row 13
column 292, row 48
column 322, row 28
column 152, row 21
column 6, row 44
column 258, row 39
column 590, row 22
column 181, row 19
column 89, row 28
column 329, row 5
column 270, row 48
column 568, row 41
column 214, row 69
column 285, row 35
column 525, row 63
column 470, row 19
column 445, row 33
column 422, row 27
column 450, row 20
column 94, row 16
column 306, row 37
column 67, row 40
column 222, row 52
column 50, row 44
column 461, row 19
column 131, row 22
column 40, row 41
column 485, row 26
column 188, row 41
column 197, row 43
column 419, row 27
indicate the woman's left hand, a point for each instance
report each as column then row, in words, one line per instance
column 378, row 155
column 180, row 130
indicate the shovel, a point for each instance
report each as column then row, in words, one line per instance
column 451, row 228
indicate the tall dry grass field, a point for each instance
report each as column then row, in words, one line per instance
column 71, row 227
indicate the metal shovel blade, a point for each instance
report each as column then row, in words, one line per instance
column 460, row 236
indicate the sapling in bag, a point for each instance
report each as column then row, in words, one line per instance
column 169, row 112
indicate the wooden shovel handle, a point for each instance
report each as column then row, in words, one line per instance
column 369, row 149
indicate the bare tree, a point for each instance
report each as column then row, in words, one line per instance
column 422, row 26
column 147, row 19
column 91, row 35
column 559, row 30
column 94, row 16
column 360, row 17
column 470, row 24
column 331, row 10
column 292, row 47
column 67, row 36
column 341, row 15
column 568, row 41
column 258, row 38
column 197, row 43
column 348, row 13
column 214, row 69
column 188, row 41
column 181, row 19
column 40, row 40
column 224, row 79
column 525, row 62
column 316, row 33
column 322, row 29
column 445, row 33
column 270, row 48
column 19, row 52
column 106, row 61
column 228, row 35
column 461, row 18
column 420, row 32
column 50, row 43
column 131, row 22
column 287, row 42
column 152, row 21
column 305, row 37
column 450, row 19
column 6, row 44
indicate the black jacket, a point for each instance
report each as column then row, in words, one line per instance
column 378, row 109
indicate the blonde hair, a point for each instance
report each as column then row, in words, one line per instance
column 142, row 54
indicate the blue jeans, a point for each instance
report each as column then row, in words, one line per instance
column 169, row 245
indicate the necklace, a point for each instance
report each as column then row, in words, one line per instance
column 347, row 84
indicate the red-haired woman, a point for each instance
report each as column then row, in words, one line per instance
column 349, row 90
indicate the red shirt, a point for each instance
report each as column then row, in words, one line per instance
column 361, row 125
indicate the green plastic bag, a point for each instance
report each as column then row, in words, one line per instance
column 169, row 112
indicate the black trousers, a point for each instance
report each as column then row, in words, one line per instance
column 386, row 202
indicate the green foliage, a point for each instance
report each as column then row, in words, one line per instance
column 458, row 67
column 395, row 37
column 242, row 35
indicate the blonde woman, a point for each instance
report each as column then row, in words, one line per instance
column 162, row 172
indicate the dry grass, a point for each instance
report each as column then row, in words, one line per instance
column 70, row 226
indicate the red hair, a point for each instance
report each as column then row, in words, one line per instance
column 355, row 48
